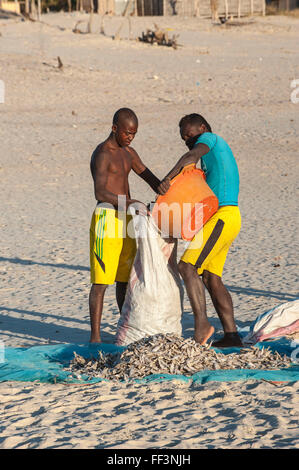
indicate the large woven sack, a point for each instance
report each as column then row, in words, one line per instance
column 154, row 297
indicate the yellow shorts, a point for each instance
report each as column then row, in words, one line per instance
column 112, row 250
column 209, row 248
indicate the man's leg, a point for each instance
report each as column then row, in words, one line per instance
column 196, row 293
column 96, row 297
column 126, row 260
column 223, row 304
column 121, row 288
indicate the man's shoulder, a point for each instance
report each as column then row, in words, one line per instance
column 215, row 140
column 132, row 151
column 100, row 158
column 101, row 150
column 208, row 138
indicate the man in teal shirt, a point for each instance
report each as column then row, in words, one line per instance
column 203, row 261
column 220, row 168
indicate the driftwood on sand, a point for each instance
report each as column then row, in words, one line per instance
column 59, row 65
column 159, row 37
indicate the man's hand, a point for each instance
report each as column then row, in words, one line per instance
column 164, row 186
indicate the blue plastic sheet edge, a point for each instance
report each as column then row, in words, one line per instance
column 47, row 363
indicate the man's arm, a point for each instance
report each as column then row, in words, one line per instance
column 193, row 156
column 141, row 170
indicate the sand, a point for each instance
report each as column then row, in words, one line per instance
column 239, row 78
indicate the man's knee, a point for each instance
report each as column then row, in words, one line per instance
column 121, row 287
column 210, row 280
column 186, row 269
column 98, row 289
column 121, row 284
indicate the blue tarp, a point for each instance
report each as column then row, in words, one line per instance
column 47, row 364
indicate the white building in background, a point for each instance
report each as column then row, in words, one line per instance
column 183, row 7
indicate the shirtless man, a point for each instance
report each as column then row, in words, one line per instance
column 202, row 263
column 112, row 250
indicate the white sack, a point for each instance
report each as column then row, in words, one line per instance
column 154, row 297
column 280, row 321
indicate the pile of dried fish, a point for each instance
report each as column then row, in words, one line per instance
column 169, row 354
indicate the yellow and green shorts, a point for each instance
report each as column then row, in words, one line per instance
column 209, row 247
column 112, row 250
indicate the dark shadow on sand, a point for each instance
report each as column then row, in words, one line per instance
column 18, row 327
column 262, row 293
column 6, row 15
column 238, row 290
column 38, row 329
column 27, row 262
column 40, row 314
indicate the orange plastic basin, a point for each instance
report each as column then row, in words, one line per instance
column 187, row 206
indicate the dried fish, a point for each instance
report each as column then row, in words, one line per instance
column 170, row 354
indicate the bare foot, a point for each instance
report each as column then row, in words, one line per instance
column 229, row 340
column 203, row 336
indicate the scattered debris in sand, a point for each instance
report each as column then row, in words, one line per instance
column 159, row 37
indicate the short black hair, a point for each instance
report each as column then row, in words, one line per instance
column 194, row 118
column 124, row 113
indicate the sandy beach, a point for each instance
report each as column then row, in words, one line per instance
column 240, row 78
